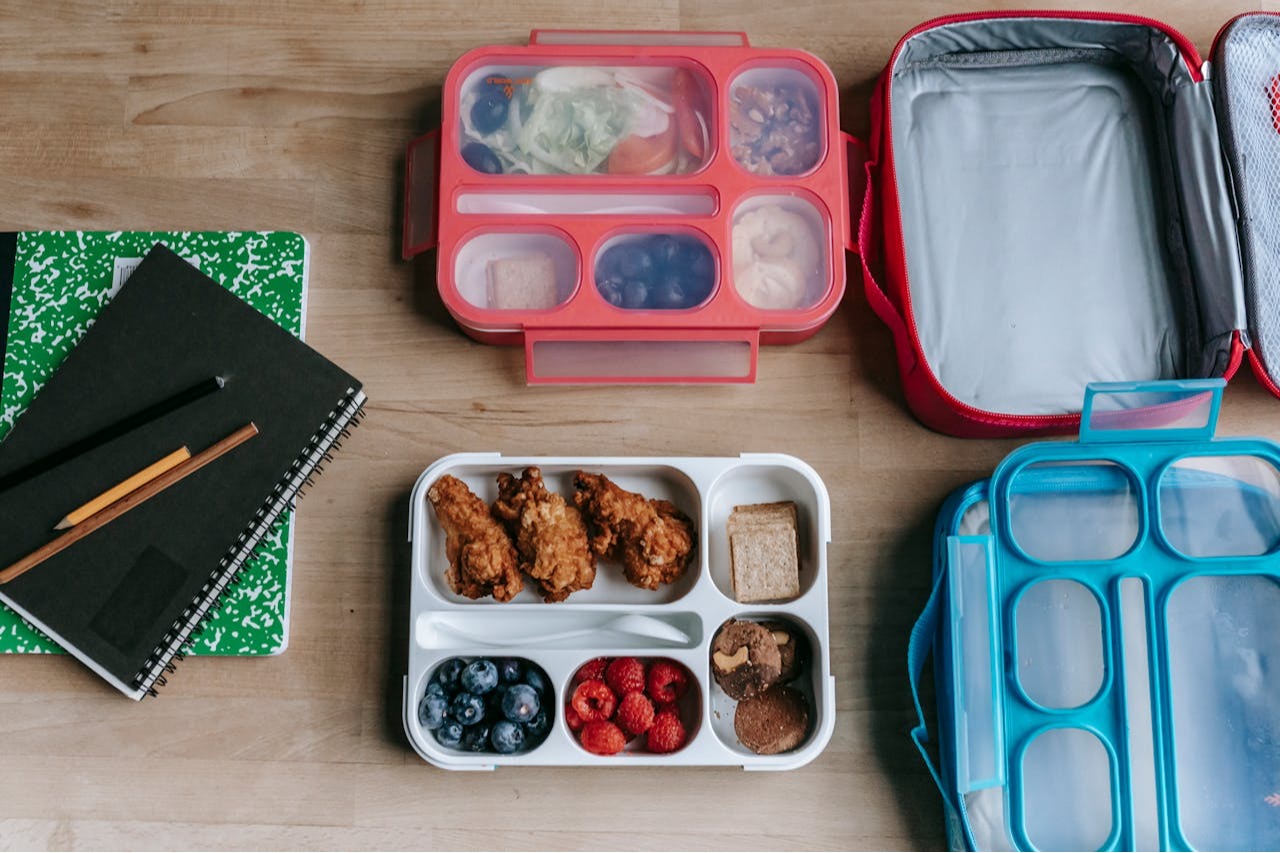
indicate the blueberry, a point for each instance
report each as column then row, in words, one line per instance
column 510, row 670
column 634, row 262
column 535, row 679
column 478, row 156
column 480, row 676
column 607, row 262
column 476, row 738
column 520, row 703
column 696, row 290
column 669, row 293
column 490, row 111
column 447, row 674
column 493, row 705
column 432, row 710
column 467, row 709
column 435, row 688
column 611, row 289
column 507, row 737
column 450, row 734
column 536, row 729
column 635, row 294
column 664, row 249
column 701, row 265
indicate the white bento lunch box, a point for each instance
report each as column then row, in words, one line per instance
column 575, row 631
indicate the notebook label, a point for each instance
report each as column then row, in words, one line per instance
column 124, row 268
column 142, row 596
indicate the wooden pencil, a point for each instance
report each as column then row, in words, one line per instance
column 115, row 493
column 128, row 502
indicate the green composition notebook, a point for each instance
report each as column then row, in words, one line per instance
column 60, row 281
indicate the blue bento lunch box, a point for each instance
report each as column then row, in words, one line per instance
column 1105, row 629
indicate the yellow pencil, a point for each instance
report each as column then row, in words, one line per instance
column 137, row 481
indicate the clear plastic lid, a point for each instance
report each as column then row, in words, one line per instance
column 586, row 119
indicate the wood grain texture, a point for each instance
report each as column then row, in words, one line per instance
column 293, row 114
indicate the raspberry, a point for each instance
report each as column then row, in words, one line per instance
column 667, row 681
column 625, row 675
column 666, row 734
column 635, row 713
column 592, row 670
column 572, row 719
column 602, row 738
column 593, row 700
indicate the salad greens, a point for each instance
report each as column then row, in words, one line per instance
column 568, row 120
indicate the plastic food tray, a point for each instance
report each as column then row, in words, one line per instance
column 473, row 217
column 706, row 489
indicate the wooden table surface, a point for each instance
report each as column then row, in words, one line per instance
column 293, row 115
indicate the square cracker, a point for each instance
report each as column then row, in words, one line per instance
column 522, row 282
column 764, row 552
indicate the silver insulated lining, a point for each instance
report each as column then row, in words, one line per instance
column 1248, row 81
column 1064, row 212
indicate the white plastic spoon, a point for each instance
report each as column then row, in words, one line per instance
column 633, row 624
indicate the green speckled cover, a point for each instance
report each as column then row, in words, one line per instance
column 61, row 281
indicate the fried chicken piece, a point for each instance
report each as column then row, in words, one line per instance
column 550, row 535
column 482, row 560
column 652, row 539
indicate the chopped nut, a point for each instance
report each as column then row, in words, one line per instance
column 781, row 637
column 777, row 130
column 728, row 663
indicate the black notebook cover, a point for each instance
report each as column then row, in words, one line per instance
column 125, row 598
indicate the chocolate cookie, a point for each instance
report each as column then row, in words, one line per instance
column 744, row 659
column 791, row 648
column 775, row 721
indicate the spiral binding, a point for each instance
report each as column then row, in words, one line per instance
column 336, row 427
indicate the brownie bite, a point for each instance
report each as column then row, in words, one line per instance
column 745, row 659
column 792, row 648
column 773, row 722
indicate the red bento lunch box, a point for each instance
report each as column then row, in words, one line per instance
column 595, row 223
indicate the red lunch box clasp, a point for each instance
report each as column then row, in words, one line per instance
column 421, row 176
column 641, row 356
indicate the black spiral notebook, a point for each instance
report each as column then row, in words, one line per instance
column 127, row 598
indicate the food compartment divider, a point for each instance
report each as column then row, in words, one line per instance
column 699, row 610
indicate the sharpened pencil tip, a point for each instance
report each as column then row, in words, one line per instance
column 62, row 525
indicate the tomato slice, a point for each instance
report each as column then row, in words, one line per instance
column 641, row 155
column 684, row 95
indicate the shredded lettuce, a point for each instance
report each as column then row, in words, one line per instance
column 574, row 131
column 570, row 125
